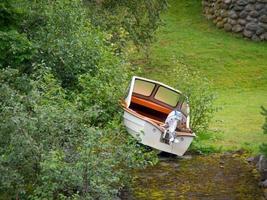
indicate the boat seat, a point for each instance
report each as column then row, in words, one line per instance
column 148, row 112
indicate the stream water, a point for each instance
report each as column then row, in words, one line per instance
column 214, row 177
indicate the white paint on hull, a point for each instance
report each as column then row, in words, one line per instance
column 150, row 135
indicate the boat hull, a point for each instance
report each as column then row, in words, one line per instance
column 150, row 134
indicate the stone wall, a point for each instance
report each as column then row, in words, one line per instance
column 246, row 17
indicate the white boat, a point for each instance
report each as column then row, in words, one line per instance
column 146, row 107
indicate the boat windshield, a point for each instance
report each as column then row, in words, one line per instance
column 167, row 96
column 144, row 88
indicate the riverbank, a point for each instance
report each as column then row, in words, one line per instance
column 218, row 176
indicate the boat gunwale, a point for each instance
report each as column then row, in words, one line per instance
column 153, row 123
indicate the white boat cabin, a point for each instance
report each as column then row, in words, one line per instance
column 155, row 100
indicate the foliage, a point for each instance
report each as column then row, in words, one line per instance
column 201, row 97
column 17, row 149
column 50, row 150
column 73, row 46
column 203, row 144
column 263, row 147
column 16, row 51
column 78, row 55
column 8, row 14
column 60, row 131
column 126, row 21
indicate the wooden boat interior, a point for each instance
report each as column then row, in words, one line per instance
column 149, row 109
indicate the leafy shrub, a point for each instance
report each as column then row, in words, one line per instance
column 8, row 15
column 201, row 100
column 79, row 56
column 16, row 51
column 67, row 42
column 201, row 97
column 125, row 21
column 50, row 150
column 62, row 142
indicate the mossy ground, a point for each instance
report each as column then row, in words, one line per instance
column 236, row 66
column 214, row 177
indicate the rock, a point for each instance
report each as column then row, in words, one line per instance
column 224, row 6
column 242, row 2
column 251, row 19
column 232, row 14
column 262, row 37
column 263, row 184
column 259, row 6
column 219, row 18
column 251, row 159
column 263, row 25
column 247, row 33
column 260, row 31
column 263, row 19
column 241, row 21
column 254, row 13
column 252, row 26
column 264, row 172
column 263, row 11
column 249, row 7
column 262, row 163
column 217, row 13
column 232, row 22
column 248, row 17
column 223, row 13
column 256, row 38
column 243, row 14
column 220, row 24
column 227, row 27
column 238, row 8
column 209, row 17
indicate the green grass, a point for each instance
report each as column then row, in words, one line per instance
column 236, row 66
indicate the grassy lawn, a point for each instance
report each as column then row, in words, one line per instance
column 237, row 68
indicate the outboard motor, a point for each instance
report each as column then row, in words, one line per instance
column 171, row 123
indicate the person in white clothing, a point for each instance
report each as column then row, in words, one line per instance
column 171, row 123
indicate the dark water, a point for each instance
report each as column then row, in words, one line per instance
column 215, row 177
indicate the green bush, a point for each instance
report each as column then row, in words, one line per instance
column 202, row 108
column 67, row 42
column 79, row 56
column 62, row 142
column 61, row 135
column 16, row 51
column 133, row 21
column 9, row 15
column 200, row 94
column 50, row 150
